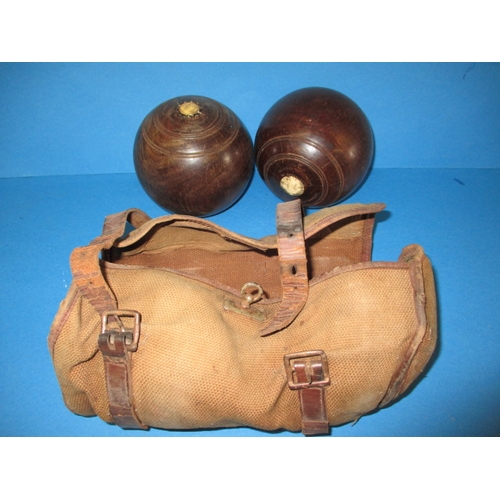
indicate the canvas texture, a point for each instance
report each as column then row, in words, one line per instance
column 202, row 361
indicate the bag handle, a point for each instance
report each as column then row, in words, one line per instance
column 89, row 280
column 84, row 261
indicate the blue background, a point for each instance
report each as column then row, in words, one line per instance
column 66, row 136
column 81, row 118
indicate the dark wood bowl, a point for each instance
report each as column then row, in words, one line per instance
column 193, row 156
column 315, row 144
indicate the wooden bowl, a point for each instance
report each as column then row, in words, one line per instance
column 315, row 144
column 193, row 156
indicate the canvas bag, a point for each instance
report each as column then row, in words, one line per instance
column 182, row 324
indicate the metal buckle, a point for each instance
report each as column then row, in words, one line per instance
column 130, row 335
column 308, row 357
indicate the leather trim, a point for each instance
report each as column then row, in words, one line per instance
column 412, row 256
column 85, row 261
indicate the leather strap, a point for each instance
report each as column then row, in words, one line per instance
column 308, row 373
column 293, row 266
column 116, row 347
column 84, row 261
column 312, row 401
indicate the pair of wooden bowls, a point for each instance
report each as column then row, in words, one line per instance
column 194, row 156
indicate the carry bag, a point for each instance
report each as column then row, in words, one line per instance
column 178, row 323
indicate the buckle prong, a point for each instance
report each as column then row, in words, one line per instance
column 130, row 335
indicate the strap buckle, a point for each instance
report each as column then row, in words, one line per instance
column 130, row 335
column 315, row 366
column 308, row 372
column 115, row 345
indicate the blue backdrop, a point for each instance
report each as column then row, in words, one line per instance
column 66, row 137
column 77, row 118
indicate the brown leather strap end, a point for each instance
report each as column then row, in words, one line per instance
column 293, row 266
column 312, row 404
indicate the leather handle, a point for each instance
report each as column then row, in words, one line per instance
column 84, row 261
column 293, row 266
